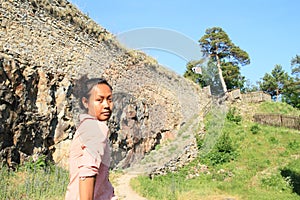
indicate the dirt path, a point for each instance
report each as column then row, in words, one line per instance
column 123, row 189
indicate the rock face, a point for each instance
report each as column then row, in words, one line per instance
column 45, row 46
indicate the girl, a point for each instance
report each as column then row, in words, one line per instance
column 89, row 151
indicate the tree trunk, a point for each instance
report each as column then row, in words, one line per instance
column 220, row 74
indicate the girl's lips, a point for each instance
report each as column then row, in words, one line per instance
column 105, row 113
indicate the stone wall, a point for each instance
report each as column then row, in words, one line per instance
column 250, row 97
column 278, row 120
column 44, row 46
column 256, row 97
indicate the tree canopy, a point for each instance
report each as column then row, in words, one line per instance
column 217, row 46
column 291, row 93
column 216, row 42
column 279, row 83
column 274, row 83
column 295, row 62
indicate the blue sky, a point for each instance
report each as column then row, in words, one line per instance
column 268, row 30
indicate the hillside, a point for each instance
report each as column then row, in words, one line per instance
column 45, row 46
column 247, row 161
column 260, row 162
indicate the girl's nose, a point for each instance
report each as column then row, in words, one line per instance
column 105, row 103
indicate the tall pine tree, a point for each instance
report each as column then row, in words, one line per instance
column 228, row 57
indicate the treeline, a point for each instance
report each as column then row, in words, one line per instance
column 220, row 68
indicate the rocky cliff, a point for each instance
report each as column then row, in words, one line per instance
column 44, row 46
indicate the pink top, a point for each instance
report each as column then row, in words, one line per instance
column 90, row 156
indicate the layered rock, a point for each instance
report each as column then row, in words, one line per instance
column 44, row 46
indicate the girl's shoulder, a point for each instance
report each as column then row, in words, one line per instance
column 91, row 126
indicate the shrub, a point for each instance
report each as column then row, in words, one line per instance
column 255, row 129
column 222, row 152
column 233, row 115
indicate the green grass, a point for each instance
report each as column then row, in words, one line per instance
column 37, row 181
column 278, row 108
column 31, row 182
column 266, row 166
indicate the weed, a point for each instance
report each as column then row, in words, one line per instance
column 40, row 163
column 233, row 115
column 255, row 129
column 273, row 140
column 294, row 145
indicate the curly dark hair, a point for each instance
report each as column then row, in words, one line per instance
column 84, row 85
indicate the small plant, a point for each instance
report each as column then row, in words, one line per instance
column 255, row 129
column 157, row 147
column 273, row 140
column 276, row 181
column 199, row 140
column 294, row 145
column 233, row 115
column 223, row 151
column 40, row 163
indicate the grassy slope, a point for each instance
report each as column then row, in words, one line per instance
column 267, row 165
column 266, row 156
column 33, row 182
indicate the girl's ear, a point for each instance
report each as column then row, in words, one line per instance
column 85, row 102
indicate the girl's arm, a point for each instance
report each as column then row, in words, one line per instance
column 86, row 187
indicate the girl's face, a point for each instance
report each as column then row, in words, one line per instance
column 100, row 103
